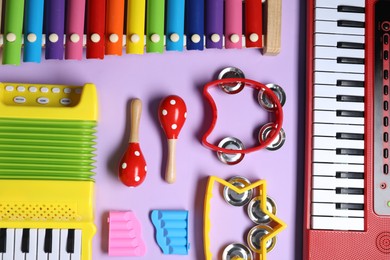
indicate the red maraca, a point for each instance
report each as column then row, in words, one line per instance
column 172, row 114
column 132, row 168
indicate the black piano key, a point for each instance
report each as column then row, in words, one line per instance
column 347, row 23
column 347, row 98
column 3, row 240
column 350, row 9
column 350, row 45
column 386, row 55
column 350, row 83
column 350, row 206
column 349, row 136
column 349, row 151
column 351, row 191
column 26, row 240
column 350, row 175
column 348, row 60
column 47, row 246
column 70, row 241
column 349, row 113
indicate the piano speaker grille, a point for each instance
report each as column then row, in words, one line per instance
column 38, row 211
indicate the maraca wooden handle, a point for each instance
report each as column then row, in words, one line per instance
column 170, row 173
column 135, row 117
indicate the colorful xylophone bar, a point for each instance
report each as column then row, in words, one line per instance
column 58, row 25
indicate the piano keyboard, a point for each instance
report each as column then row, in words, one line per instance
column 347, row 195
column 338, row 116
column 36, row 244
column 192, row 24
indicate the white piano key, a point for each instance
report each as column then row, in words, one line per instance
column 326, row 39
column 331, row 183
column 330, row 156
column 9, row 253
column 333, row 66
column 55, row 253
column 329, row 209
column 330, row 169
column 332, row 27
column 64, row 255
column 330, row 78
column 331, row 103
column 332, row 91
column 18, row 244
column 330, row 196
column 334, row 4
column 32, row 254
column 332, row 129
column 40, row 245
column 320, row 116
column 77, row 245
column 321, row 142
column 337, row 223
column 325, row 52
column 330, row 14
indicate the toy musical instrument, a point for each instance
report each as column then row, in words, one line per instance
column 172, row 114
column 150, row 25
column 275, row 108
column 347, row 195
column 46, row 171
column 132, row 168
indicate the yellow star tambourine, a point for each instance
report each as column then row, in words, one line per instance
column 261, row 185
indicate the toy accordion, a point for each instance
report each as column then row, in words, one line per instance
column 47, row 143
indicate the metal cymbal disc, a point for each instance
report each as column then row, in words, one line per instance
column 237, row 251
column 256, row 214
column 231, row 72
column 256, row 234
column 234, row 198
column 264, row 100
column 233, row 144
column 279, row 140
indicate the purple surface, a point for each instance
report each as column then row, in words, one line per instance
column 151, row 77
column 214, row 22
column 54, row 23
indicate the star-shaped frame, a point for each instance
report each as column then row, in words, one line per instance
column 261, row 185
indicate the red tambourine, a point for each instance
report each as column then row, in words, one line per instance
column 275, row 109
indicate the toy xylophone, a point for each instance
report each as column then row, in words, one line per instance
column 103, row 27
column 46, row 171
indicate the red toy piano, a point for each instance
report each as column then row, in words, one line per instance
column 347, row 196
